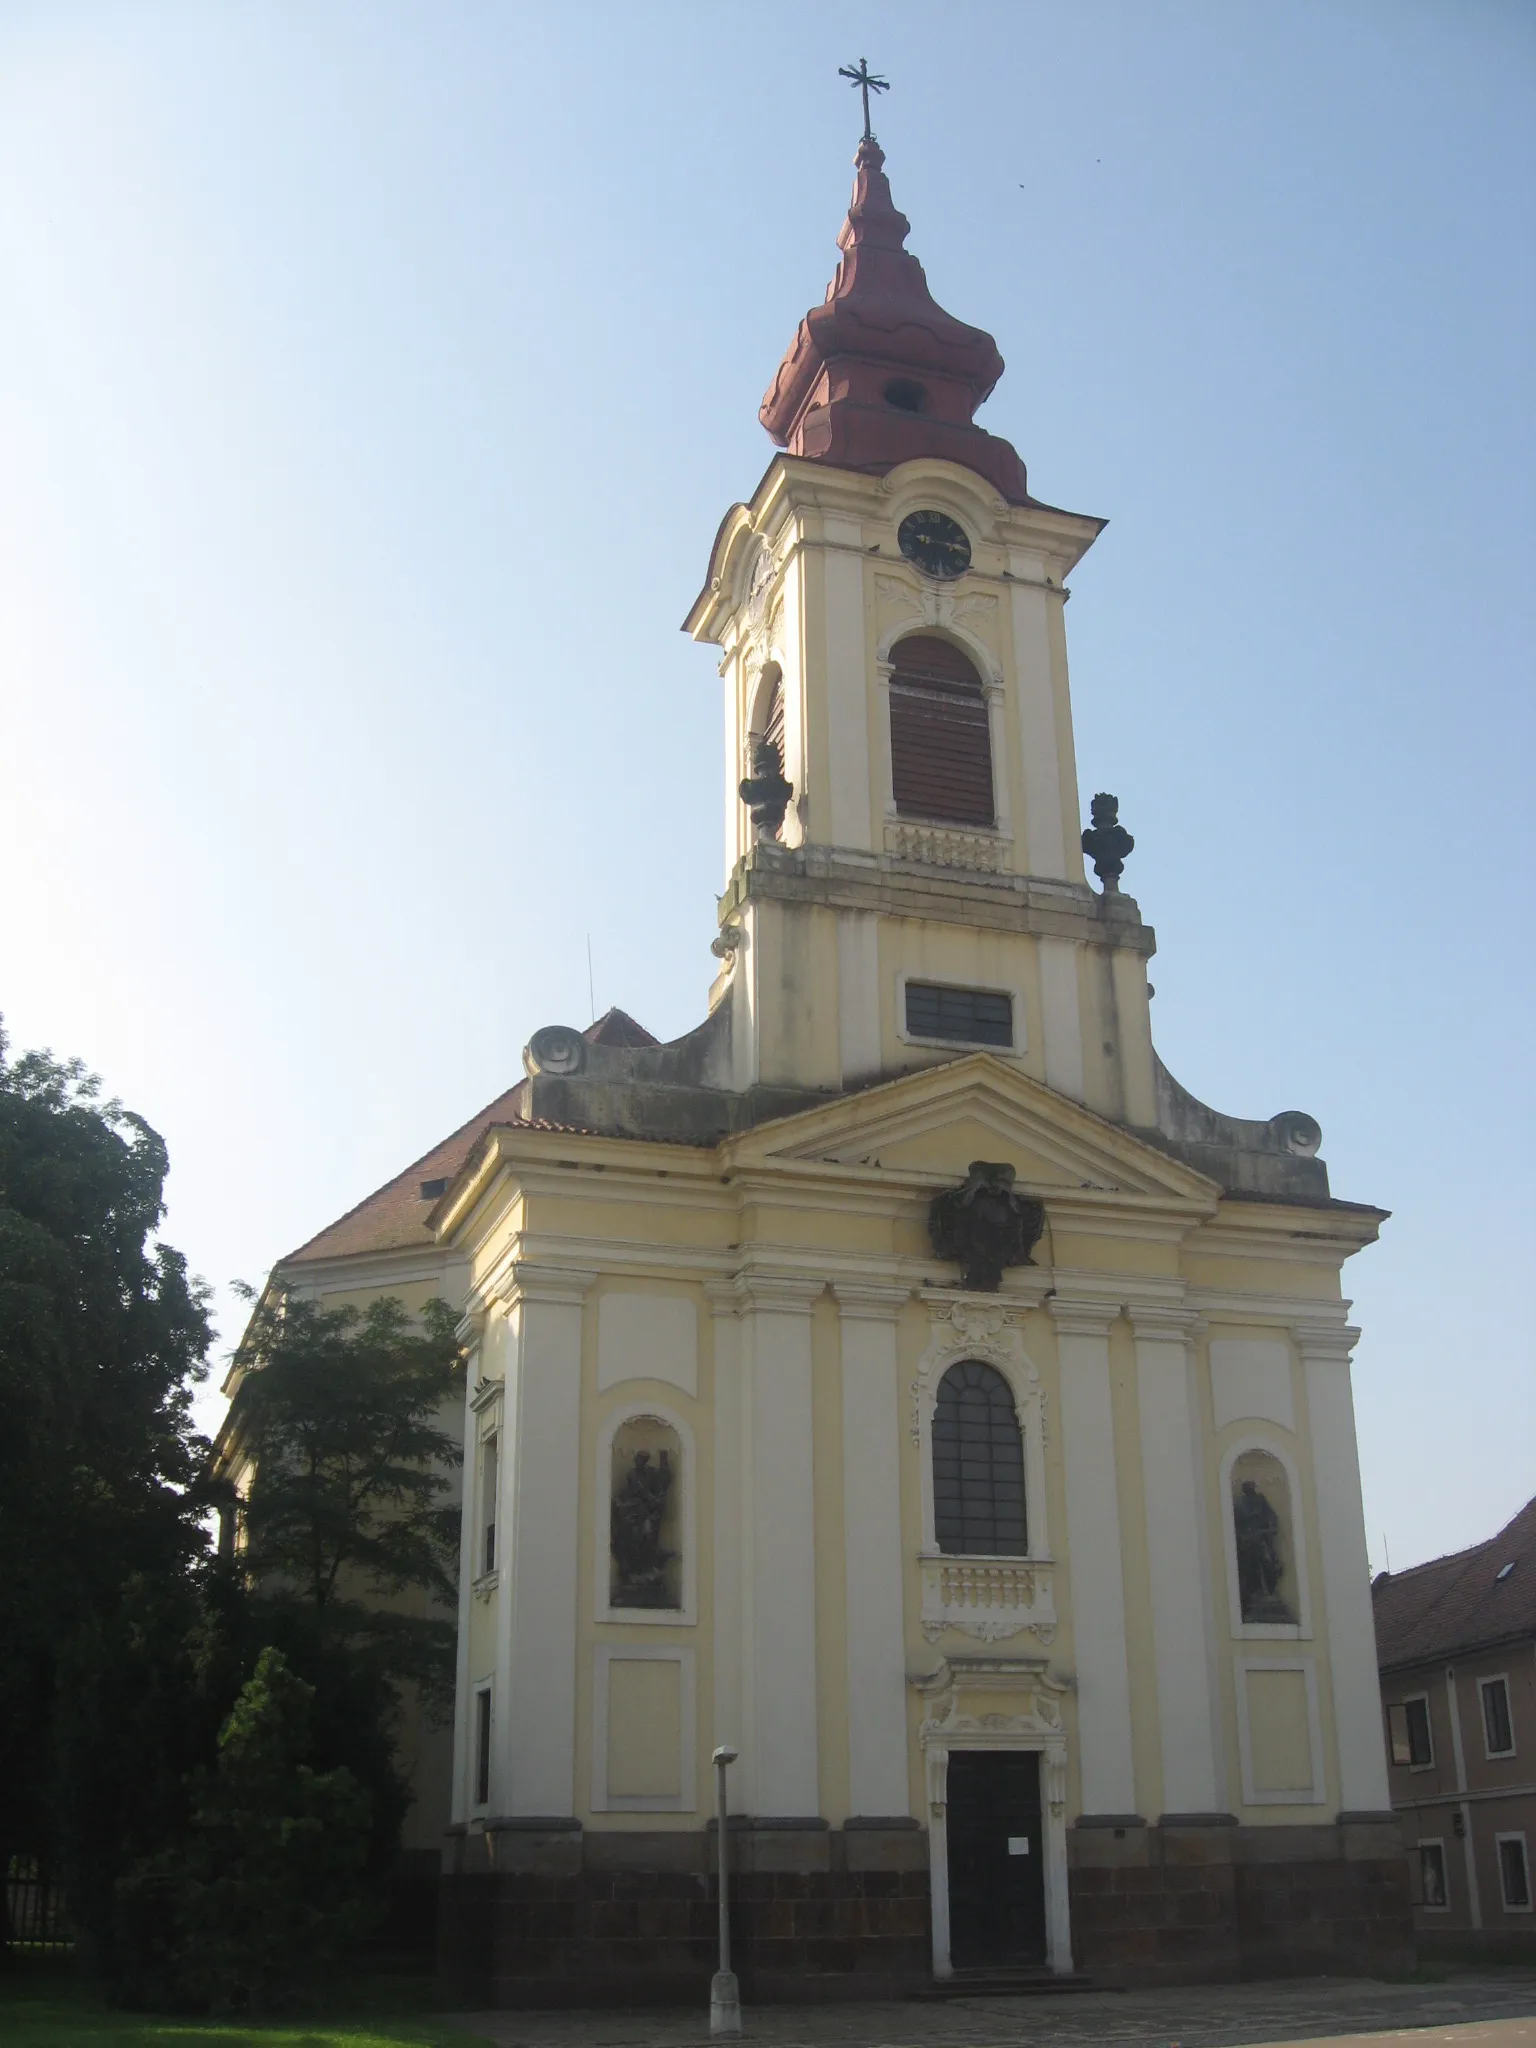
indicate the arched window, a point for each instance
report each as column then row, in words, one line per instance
column 941, row 748
column 978, row 1465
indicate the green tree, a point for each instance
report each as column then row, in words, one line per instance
column 349, row 1526
column 269, row 1884
column 102, row 1335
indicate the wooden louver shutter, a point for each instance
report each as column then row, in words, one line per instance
column 941, row 751
column 773, row 727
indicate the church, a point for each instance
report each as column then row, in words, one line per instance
column 901, row 1379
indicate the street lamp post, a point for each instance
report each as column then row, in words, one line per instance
column 724, row 1993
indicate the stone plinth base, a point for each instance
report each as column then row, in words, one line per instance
column 1202, row 1900
column 534, row 1917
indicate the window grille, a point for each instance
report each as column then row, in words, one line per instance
column 941, row 745
column 963, row 1016
column 978, row 1465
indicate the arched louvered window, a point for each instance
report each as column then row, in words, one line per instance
column 941, row 748
column 773, row 724
column 978, row 1465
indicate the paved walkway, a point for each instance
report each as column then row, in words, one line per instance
column 1492, row 2009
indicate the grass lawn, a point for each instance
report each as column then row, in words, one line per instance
column 45, row 2008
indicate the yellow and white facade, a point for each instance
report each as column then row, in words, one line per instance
column 719, row 1249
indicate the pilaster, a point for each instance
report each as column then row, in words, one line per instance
column 876, row 1650
column 1108, row 1778
column 1324, row 1350
column 533, row 1771
column 1172, row 1482
column 778, row 1543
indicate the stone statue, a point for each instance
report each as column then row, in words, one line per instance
column 985, row 1226
column 765, row 790
column 634, row 1538
column 1106, row 842
column 1259, row 1569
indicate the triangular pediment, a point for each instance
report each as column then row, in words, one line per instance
column 937, row 1121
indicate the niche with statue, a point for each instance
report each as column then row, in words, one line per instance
column 645, row 1516
column 1264, row 1539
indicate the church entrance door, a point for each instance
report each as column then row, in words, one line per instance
column 996, row 1859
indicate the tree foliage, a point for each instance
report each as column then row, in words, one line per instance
column 102, row 1335
column 269, row 1882
column 350, row 1506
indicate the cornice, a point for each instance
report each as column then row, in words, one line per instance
column 1158, row 1322
column 1216, row 1305
column 1076, row 1316
column 1326, row 1343
column 781, row 1293
column 521, row 1280
column 858, row 1301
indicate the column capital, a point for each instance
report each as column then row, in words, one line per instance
column 1082, row 1317
column 1157, row 1322
column 521, row 1280
column 863, row 1301
column 1328, row 1343
column 780, row 1293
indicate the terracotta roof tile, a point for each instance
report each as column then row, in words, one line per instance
column 394, row 1217
column 1453, row 1604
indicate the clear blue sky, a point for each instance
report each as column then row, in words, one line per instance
column 339, row 340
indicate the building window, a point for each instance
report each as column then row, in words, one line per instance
column 1433, row 1895
column 1514, row 1873
column 1498, row 1729
column 483, row 1746
column 959, row 1016
column 489, row 1480
column 1261, row 1530
column 644, row 1516
column 1408, row 1733
column 978, row 1465
column 941, row 744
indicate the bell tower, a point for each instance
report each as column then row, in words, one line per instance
column 904, row 882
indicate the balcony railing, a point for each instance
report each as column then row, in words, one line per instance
column 990, row 1598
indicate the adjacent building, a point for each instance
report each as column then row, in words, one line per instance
column 1456, row 1640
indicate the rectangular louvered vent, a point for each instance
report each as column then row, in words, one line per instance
column 961, row 1016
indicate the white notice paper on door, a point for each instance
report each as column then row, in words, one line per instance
column 1018, row 1845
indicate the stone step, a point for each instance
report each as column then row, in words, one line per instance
column 1004, row 1983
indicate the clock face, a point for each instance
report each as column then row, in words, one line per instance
column 935, row 542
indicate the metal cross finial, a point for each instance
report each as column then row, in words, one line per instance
column 860, row 75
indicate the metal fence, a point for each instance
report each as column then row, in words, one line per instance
column 35, row 1914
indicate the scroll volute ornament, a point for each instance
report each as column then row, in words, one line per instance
column 985, row 1226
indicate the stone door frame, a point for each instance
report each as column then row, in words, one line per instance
column 1036, row 1726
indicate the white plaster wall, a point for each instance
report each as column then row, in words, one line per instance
column 1177, row 1571
column 1039, row 774
column 877, row 1713
column 1061, row 1019
column 647, row 1337
column 847, row 686
column 1345, row 1573
column 538, row 1679
column 1251, row 1381
column 780, row 1563
column 858, row 995
column 729, row 1724
column 1094, row 1561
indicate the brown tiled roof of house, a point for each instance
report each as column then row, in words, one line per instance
column 1454, row 1604
column 394, row 1217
